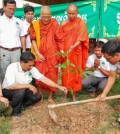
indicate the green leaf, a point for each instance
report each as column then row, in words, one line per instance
column 85, row 75
column 79, row 69
column 61, row 66
column 73, row 65
column 67, row 62
column 61, row 54
column 73, row 71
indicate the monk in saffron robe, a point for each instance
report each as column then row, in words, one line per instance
column 76, row 44
column 47, row 39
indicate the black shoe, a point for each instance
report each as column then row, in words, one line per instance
column 17, row 114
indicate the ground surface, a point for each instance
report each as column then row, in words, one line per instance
column 76, row 119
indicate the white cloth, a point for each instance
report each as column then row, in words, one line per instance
column 15, row 75
column 10, row 31
column 103, row 63
column 115, row 67
column 26, row 26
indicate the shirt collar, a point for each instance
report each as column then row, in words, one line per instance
column 26, row 22
column 7, row 17
column 19, row 67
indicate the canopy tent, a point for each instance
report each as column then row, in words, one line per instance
column 20, row 3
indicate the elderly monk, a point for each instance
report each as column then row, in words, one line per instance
column 47, row 39
column 76, row 44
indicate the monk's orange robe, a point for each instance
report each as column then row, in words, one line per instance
column 51, row 41
column 75, row 31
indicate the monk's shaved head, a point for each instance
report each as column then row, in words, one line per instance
column 72, row 12
column 45, row 15
column 45, row 10
column 72, row 7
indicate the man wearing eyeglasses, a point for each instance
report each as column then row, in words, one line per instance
column 111, row 52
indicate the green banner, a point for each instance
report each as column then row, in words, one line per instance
column 88, row 11
column 101, row 16
column 110, row 18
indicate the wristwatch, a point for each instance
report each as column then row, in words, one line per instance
column 99, row 67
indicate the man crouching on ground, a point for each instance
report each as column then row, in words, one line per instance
column 17, row 86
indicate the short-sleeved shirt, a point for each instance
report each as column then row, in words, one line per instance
column 10, row 31
column 15, row 75
column 26, row 26
column 115, row 67
column 103, row 63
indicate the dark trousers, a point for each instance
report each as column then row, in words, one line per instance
column 21, row 97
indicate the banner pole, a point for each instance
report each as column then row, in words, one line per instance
column 99, row 19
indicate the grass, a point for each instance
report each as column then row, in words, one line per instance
column 5, row 125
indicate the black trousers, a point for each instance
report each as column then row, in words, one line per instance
column 21, row 97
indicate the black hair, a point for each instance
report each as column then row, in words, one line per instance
column 28, row 9
column 99, row 44
column 111, row 48
column 9, row 2
column 27, row 56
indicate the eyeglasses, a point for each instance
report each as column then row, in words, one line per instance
column 108, row 58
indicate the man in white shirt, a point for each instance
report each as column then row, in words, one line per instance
column 17, row 85
column 12, row 36
column 100, row 74
column 29, row 15
column 111, row 52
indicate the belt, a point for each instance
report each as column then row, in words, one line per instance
column 28, row 49
column 10, row 49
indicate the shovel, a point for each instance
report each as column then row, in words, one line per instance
column 55, row 117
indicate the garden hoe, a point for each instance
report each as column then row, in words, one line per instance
column 55, row 117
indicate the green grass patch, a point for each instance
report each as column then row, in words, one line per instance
column 5, row 125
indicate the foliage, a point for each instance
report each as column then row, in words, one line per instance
column 74, row 68
column 25, row 5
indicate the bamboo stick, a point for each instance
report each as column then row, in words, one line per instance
column 82, row 102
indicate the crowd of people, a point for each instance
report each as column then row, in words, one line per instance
column 28, row 56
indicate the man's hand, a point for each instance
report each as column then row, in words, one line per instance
column 101, row 97
column 33, row 89
column 5, row 101
column 62, row 51
column 71, row 49
column 41, row 57
column 96, row 63
column 64, row 89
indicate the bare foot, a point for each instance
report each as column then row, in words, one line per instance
column 50, row 100
column 74, row 97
